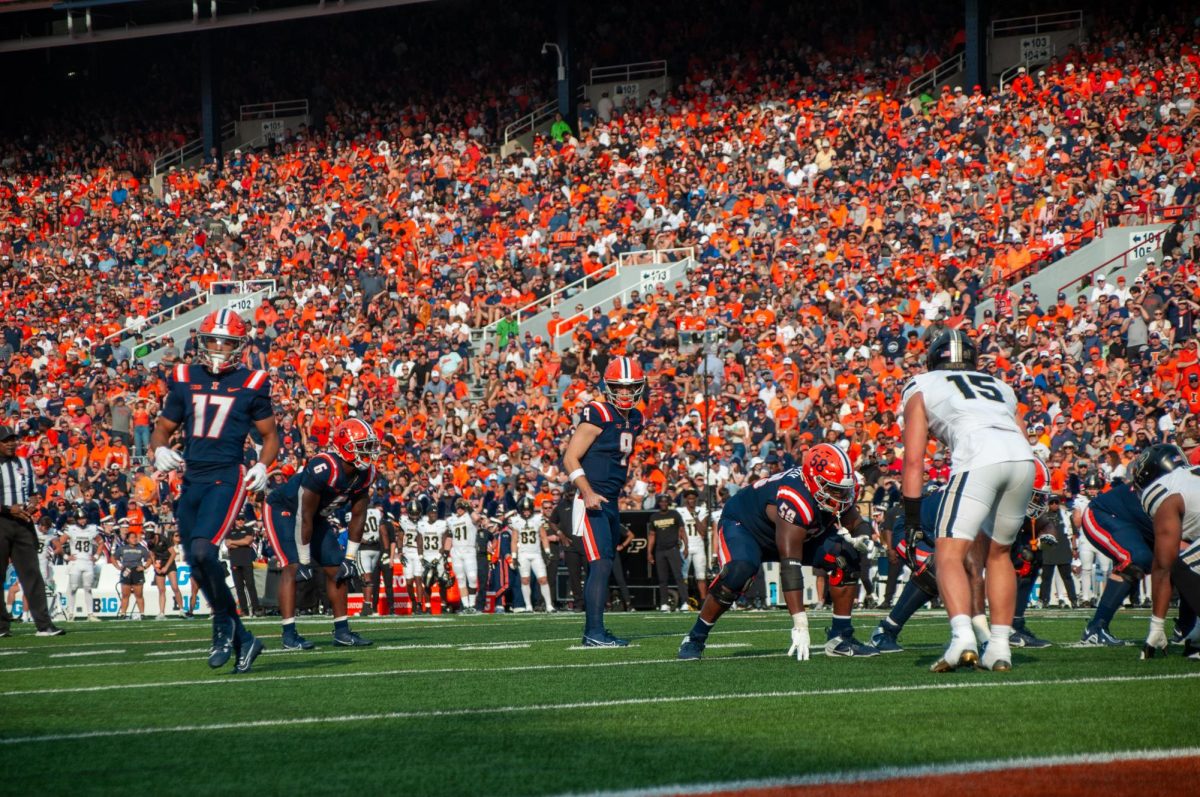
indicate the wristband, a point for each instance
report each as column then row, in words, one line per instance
column 912, row 512
column 351, row 549
column 575, row 474
column 302, row 553
column 800, row 621
column 1156, row 623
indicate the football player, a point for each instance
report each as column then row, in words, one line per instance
column 216, row 403
column 298, row 525
column 922, row 583
column 80, row 542
column 695, row 526
column 1170, row 493
column 374, row 543
column 529, row 546
column 992, row 469
column 410, row 552
column 597, row 463
column 790, row 518
column 433, row 540
column 1089, row 554
column 1115, row 524
column 462, row 530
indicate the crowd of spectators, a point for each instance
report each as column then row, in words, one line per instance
column 837, row 225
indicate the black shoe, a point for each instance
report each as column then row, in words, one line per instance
column 247, row 654
column 5, row 633
column 51, row 630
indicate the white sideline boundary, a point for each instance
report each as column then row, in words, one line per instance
column 523, row 709
column 902, row 773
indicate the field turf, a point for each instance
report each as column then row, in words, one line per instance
column 509, row 705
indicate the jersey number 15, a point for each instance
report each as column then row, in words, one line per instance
column 984, row 387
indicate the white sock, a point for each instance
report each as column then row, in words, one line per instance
column 550, row 603
column 999, row 636
column 71, row 604
column 960, row 627
column 87, row 601
column 289, row 621
column 527, row 594
column 980, row 624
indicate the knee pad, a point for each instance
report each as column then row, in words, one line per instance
column 733, row 580
column 841, row 561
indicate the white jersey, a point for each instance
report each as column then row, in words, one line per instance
column 526, row 533
column 431, row 536
column 691, row 522
column 409, row 532
column 462, row 529
column 1184, row 482
column 974, row 415
column 371, row 526
column 81, row 545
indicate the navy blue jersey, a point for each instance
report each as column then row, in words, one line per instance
column 1123, row 503
column 339, row 485
column 216, row 412
column 930, row 506
column 790, row 497
column 606, row 463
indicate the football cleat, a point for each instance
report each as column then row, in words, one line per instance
column 1099, row 638
column 51, row 630
column 846, row 645
column 247, row 654
column 607, row 640
column 294, row 641
column 349, row 639
column 885, row 643
column 1024, row 638
column 1191, row 651
column 222, row 648
column 959, row 653
column 1177, row 635
column 690, row 649
column 994, row 660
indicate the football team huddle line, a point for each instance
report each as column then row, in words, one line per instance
column 996, row 485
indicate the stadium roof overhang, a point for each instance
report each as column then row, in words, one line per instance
column 40, row 24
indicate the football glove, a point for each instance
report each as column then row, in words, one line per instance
column 1156, row 640
column 303, row 572
column 912, row 536
column 256, row 478
column 347, row 570
column 167, row 459
column 1047, row 540
column 800, row 638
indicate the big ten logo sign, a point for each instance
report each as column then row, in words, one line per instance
column 1036, row 49
column 109, row 605
column 627, row 91
column 1143, row 244
column 183, row 573
column 652, row 277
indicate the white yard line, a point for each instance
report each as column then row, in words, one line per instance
column 87, row 653
column 879, row 774
column 497, row 646
column 592, row 704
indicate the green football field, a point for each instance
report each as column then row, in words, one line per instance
column 510, row 705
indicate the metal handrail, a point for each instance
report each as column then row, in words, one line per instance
column 625, row 72
column 1036, row 23
column 1010, row 74
column 268, row 286
column 548, row 299
column 180, row 155
column 951, row 66
column 656, row 257
column 242, row 286
column 161, row 315
column 1156, row 238
column 536, row 117
column 273, row 110
column 1035, row 264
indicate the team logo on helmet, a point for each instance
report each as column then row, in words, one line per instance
column 951, row 351
column 829, row 476
column 1040, row 499
column 356, row 442
column 624, row 382
column 218, row 329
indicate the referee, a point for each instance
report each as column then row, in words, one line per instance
column 18, row 540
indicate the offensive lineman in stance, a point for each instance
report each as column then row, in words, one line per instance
column 216, row 403
column 991, row 483
column 790, row 518
column 597, row 462
column 298, row 526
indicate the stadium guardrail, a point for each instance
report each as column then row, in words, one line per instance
column 1034, row 24
column 1029, row 64
column 160, row 317
column 273, row 110
column 943, row 71
column 619, row 73
column 192, row 149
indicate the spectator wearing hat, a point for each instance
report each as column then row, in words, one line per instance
column 18, row 537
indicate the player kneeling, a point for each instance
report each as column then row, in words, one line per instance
column 298, row 526
column 790, row 518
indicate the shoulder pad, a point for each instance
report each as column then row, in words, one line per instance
column 597, row 413
column 256, row 380
column 180, row 373
column 910, row 387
